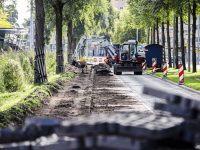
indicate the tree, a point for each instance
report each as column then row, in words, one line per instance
column 12, row 15
column 194, row 36
column 70, row 7
column 182, row 40
column 168, row 42
column 39, row 25
column 3, row 20
column 126, row 29
column 157, row 26
column 176, row 41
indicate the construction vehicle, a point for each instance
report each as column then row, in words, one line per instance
column 127, row 59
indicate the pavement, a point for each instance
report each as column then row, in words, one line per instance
column 137, row 82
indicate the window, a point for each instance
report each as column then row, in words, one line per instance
column 171, row 30
column 165, row 30
column 160, row 30
column 133, row 49
column 171, row 40
column 121, row 7
column 125, row 48
column 116, row 8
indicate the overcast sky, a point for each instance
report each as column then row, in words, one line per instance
column 23, row 10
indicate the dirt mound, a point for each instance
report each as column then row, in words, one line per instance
column 69, row 67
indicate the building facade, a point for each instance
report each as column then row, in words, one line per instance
column 28, row 36
column 120, row 4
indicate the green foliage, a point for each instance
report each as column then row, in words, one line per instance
column 12, row 15
column 28, row 70
column 99, row 18
column 126, row 28
column 2, row 87
column 51, row 63
column 25, row 65
column 13, row 76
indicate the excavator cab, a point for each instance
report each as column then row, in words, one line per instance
column 129, row 51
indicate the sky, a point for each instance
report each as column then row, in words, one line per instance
column 23, row 10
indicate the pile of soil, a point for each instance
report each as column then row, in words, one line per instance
column 69, row 67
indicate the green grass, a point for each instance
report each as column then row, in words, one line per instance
column 8, row 100
column 173, row 75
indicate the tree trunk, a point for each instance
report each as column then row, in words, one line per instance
column 194, row 36
column 147, row 36
column 176, row 41
column 59, row 49
column 182, row 40
column 157, row 28
column 168, row 43
column 153, row 35
column 174, row 33
column 188, row 37
column 39, row 35
column 163, row 37
column 70, row 39
column 74, row 45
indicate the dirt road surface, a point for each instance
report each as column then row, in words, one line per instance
column 90, row 93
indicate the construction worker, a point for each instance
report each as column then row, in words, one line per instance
column 107, row 59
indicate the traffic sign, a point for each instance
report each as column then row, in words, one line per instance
column 196, row 51
column 187, row 44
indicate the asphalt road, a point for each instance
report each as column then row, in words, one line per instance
column 136, row 83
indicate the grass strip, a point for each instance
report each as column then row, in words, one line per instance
column 15, row 107
column 173, row 75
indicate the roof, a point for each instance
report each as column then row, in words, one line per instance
column 153, row 45
column 13, row 31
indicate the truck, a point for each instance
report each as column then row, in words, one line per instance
column 126, row 59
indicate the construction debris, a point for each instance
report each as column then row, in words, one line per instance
column 101, row 68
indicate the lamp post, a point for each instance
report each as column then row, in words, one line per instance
column 31, row 29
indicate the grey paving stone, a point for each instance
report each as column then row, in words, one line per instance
column 90, row 142
column 47, row 125
column 83, row 126
column 16, row 146
column 118, row 143
column 56, row 143
column 43, row 121
column 175, row 110
column 152, row 127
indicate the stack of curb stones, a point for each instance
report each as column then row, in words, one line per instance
column 117, row 131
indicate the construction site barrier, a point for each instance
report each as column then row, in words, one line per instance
column 154, row 66
column 181, row 74
column 163, row 54
column 144, row 66
column 100, row 60
column 95, row 59
column 164, row 69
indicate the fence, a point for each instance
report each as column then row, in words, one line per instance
column 41, row 65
